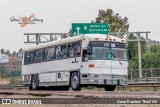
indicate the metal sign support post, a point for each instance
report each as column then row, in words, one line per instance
column 139, row 55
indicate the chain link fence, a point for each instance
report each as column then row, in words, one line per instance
column 151, row 72
column 132, row 74
column 11, row 81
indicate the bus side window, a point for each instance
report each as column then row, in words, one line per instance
column 64, row 51
column 31, row 57
column 36, row 56
column 70, row 50
column 45, row 54
column 26, row 58
column 76, row 47
column 49, row 54
column 58, row 52
column 39, row 54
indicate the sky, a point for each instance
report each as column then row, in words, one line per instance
column 58, row 15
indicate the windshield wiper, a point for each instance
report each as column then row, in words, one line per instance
column 117, row 58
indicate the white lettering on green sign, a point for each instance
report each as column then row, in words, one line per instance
column 89, row 28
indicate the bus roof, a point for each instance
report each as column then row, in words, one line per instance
column 72, row 39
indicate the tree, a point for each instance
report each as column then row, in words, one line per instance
column 8, row 52
column 14, row 52
column 152, row 58
column 2, row 69
column 155, row 48
column 2, row 51
column 115, row 21
column 14, row 73
column 20, row 50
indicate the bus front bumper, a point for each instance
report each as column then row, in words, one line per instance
column 103, row 79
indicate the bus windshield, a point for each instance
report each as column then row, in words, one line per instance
column 107, row 51
column 119, row 54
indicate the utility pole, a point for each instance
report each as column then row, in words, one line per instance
column 139, row 55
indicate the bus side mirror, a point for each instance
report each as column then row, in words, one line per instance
column 89, row 50
column 84, row 55
column 129, row 53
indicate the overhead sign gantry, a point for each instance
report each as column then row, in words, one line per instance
column 44, row 37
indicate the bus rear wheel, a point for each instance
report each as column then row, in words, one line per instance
column 34, row 83
column 75, row 82
column 110, row 87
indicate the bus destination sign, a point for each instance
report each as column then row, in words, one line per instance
column 89, row 28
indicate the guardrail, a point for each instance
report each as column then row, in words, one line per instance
column 150, row 72
column 153, row 82
column 146, row 79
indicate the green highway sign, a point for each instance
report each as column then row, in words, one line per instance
column 89, row 28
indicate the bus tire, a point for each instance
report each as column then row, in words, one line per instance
column 110, row 87
column 34, row 83
column 75, row 82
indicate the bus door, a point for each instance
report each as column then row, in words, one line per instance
column 84, row 65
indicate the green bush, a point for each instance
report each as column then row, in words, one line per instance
column 15, row 81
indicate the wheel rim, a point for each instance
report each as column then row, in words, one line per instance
column 74, row 82
column 34, row 83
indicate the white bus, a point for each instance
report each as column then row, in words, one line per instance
column 84, row 60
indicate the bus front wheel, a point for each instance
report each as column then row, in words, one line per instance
column 34, row 83
column 110, row 87
column 75, row 81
